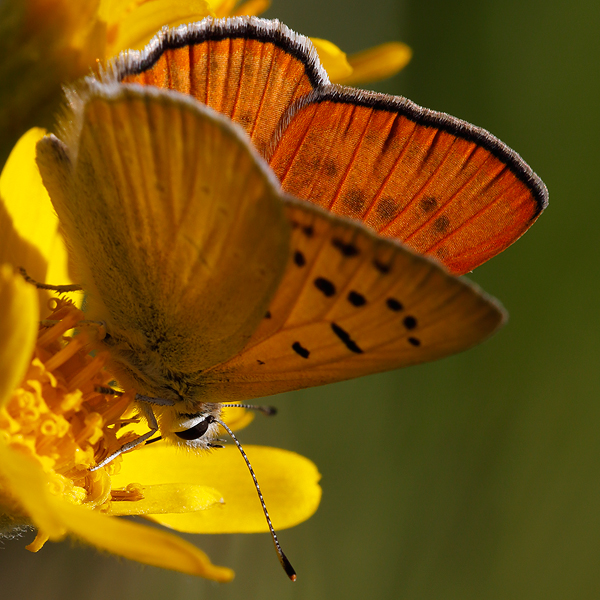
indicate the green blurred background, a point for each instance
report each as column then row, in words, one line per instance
column 476, row 476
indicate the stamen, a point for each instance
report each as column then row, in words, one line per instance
column 87, row 373
column 57, row 415
column 63, row 355
column 38, row 543
column 57, row 331
column 113, row 411
column 132, row 493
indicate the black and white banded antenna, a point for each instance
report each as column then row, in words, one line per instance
column 285, row 563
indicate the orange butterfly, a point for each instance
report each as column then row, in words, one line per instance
column 228, row 268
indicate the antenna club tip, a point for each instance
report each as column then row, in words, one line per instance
column 287, row 566
column 269, row 411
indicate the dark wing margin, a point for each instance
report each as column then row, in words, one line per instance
column 442, row 186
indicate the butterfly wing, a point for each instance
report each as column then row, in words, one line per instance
column 249, row 69
column 350, row 304
column 439, row 185
column 165, row 206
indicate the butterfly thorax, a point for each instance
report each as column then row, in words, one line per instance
column 182, row 418
column 144, row 365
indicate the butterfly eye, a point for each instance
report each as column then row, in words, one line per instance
column 195, row 432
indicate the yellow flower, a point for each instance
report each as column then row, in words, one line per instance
column 373, row 64
column 379, row 62
column 55, row 425
column 47, row 43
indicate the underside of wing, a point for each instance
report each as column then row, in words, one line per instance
column 249, row 69
column 351, row 304
column 165, row 206
column 440, row 185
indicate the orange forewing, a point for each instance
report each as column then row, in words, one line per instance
column 441, row 186
column 242, row 71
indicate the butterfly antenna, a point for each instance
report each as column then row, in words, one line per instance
column 285, row 563
column 268, row 411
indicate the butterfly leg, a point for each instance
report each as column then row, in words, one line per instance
column 100, row 325
column 62, row 289
column 148, row 413
column 45, row 286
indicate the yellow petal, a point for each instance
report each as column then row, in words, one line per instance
column 168, row 498
column 251, row 7
column 55, row 517
column 18, row 329
column 112, row 11
column 333, row 59
column 25, row 480
column 43, row 44
column 377, row 63
column 137, row 542
column 289, row 483
column 30, row 236
column 237, row 418
column 135, row 29
column 221, row 8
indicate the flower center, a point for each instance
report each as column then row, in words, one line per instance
column 60, row 419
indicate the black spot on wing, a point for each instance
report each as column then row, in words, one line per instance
column 245, row 119
column 442, row 253
column 346, row 339
column 356, row 299
column 300, row 350
column 354, row 201
column 330, row 167
column 387, row 208
column 382, row 267
column 325, row 286
column 268, row 314
column 346, row 249
column 414, row 341
column 410, row 322
column 299, row 258
column 308, row 231
column 394, row 304
column 441, row 224
column 428, row 204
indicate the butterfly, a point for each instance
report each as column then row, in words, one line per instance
column 242, row 228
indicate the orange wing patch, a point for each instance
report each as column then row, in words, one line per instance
column 351, row 304
column 250, row 74
column 441, row 186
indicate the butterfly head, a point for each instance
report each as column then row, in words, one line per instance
column 197, row 430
